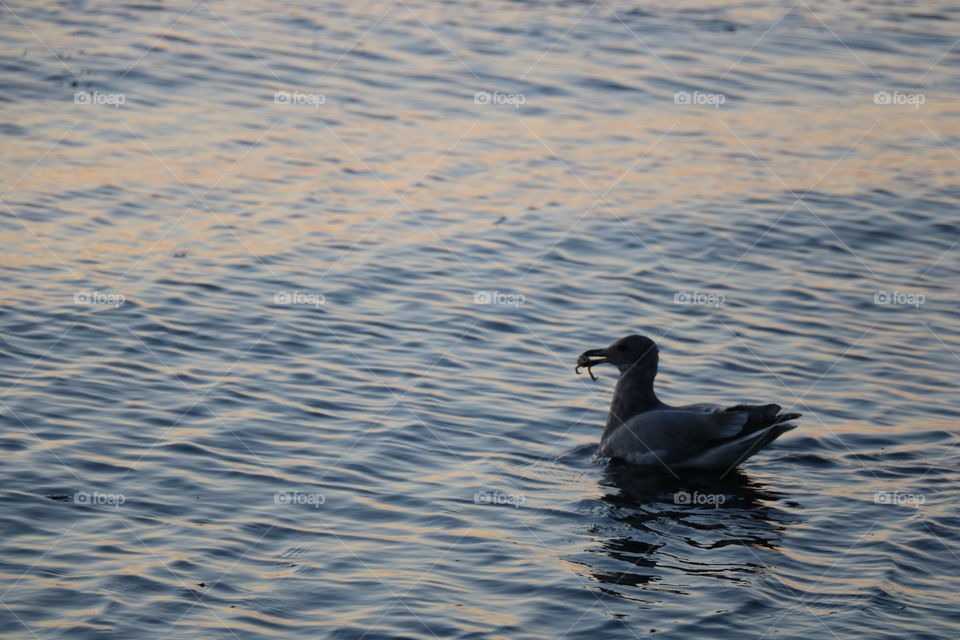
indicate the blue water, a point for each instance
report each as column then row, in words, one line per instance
column 290, row 315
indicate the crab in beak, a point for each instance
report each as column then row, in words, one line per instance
column 589, row 359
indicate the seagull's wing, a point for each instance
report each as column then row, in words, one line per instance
column 758, row 415
column 702, row 407
column 762, row 415
column 666, row 436
column 697, row 436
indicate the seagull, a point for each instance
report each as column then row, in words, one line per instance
column 644, row 431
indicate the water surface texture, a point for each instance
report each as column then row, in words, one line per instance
column 292, row 294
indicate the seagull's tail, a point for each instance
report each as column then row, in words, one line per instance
column 786, row 417
column 731, row 452
column 762, row 416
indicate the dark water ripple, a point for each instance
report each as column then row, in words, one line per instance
column 298, row 318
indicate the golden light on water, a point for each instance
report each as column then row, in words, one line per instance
column 226, row 294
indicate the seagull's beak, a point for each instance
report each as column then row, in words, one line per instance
column 591, row 359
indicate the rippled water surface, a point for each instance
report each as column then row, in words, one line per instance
column 292, row 294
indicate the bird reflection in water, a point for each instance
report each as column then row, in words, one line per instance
column 665, row 529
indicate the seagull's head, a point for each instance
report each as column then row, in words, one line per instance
column 632, row 353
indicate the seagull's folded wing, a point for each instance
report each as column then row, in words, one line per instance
column 665, row 436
